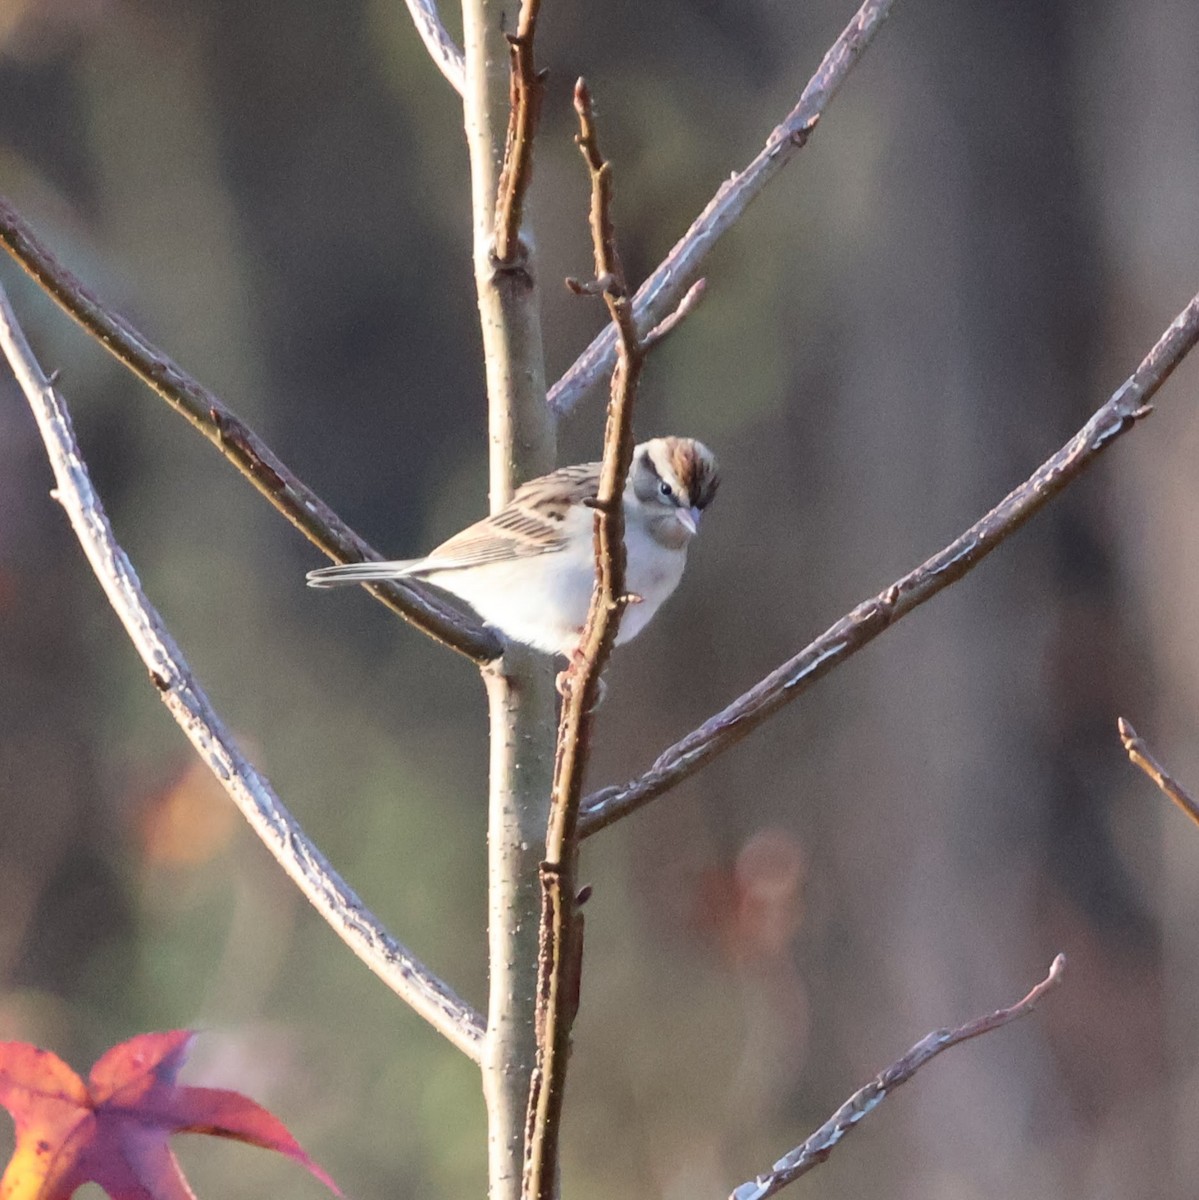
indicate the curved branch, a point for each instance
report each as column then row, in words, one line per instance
column 438, row 42
column 237, row 442
column 661, row 292
column 861, row 626
column 864, row 1101
column 1141, row 756
column 330, row 895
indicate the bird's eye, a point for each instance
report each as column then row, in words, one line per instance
column 666, row 490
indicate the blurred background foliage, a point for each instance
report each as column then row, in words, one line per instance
column 996, row 219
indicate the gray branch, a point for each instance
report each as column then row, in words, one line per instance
column 662, row 291
column 332, row 897
column 438, row 42
column 844, row 1121
column 861, row 626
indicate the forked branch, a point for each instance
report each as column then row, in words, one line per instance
column 237, row 442
column 561, row 924
column 186, row 701
column 845, row 1120
column 1141, row 756
column 661, row 292
column 861, row 626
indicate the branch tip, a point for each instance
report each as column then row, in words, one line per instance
column 1141, row 756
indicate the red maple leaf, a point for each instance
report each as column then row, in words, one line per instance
column 113, row 1130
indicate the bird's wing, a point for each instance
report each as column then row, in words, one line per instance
column 533, row 522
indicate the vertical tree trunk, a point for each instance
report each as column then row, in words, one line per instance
column 519, row 688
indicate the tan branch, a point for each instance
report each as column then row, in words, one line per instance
column 1143, row 757
column 861, row 626
column 186, row 701
column 661, row 292
column 845, row 1120
column 236, row 441
column 561, row 924
column 438, row 42
column 520, row 691
column 528, row 86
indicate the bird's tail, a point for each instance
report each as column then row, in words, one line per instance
column 362, row 572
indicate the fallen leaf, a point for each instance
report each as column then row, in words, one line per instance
column 113, row 1130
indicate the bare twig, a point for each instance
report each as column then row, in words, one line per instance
column 665, row 327
column 822, row 1143
column 332, row 897
column 528, row 86
column 237, row 442
column 1143, row 757
column 861, row 626
column 660, row 293
column 560, row 957
column 438, row 42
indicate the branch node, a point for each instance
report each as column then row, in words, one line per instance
column 603, row 285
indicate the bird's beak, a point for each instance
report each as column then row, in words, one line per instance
column 689, row 519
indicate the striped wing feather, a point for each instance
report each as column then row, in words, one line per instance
column 534, row 522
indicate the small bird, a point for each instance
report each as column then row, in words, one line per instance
column 529, row 569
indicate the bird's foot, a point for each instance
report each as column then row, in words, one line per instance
column 563, row 676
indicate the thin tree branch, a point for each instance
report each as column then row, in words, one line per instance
column 1143, row 757
column 660, row 293
column 237, row 442
column 667, row 326
column 560, row 957
column 449, row 59
column 330, row 895
column 861, row 626
column 528, row 87
column 845, row 1120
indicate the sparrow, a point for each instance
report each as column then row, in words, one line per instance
column 529, row 569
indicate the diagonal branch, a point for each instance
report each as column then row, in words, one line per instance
column 861, row 626
column 1141, row 756
column 449, row 59
column 236, row 441
column 845, row 1120
column 661, row 292
column 560, row 957
column 528, row 87
column 332, row 897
